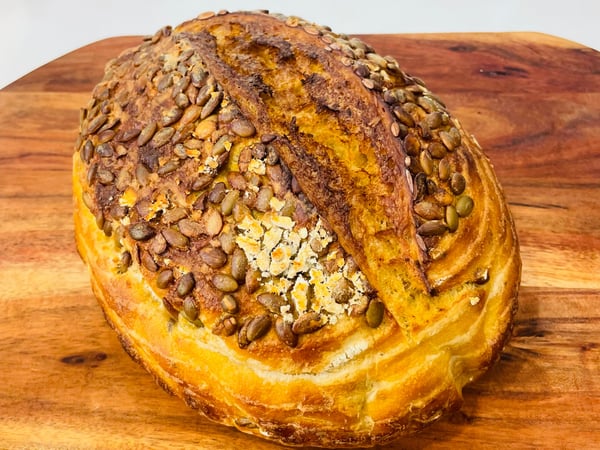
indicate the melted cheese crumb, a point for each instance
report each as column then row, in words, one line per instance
column 158, row 205
column 299, row 294
column 290, row 266
column 128, row 198
column 257, row 166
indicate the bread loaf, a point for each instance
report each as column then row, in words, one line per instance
column 290, row 233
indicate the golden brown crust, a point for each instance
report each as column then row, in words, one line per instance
column 290, row 233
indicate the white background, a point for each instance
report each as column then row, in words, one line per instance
column 34, row 32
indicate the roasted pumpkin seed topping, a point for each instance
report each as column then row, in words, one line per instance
column 205, row 207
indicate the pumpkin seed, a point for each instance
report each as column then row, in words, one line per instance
column 217, row 193
column 451, row 218
column 158, row 244
column 128, row 135
column 229, row 304
column 464, row 205
column 107, row 228
column 242, row 336
column 146, row 133
column 87, row 200
column 202, row 181
column 242, row 127
column 182, row 100
column 182, row 133
column 87, row 152
column 377, row 59
column 95, row 124
column 141, row 231
column 227, row 241
column 185, row 284
column 211, row 105
column 222, row 145
column 426, row 162
column 451, row 138
column 239, row 264
column 105, row 150
column 258, row 327
column 171, row 115
column 253, row 278
column 190, row 309
column 180, row 86
column 164, row 82
column 273, row 302
column 99, row 218
column 420, row 186
column 434, row 120
column 308, row 322
column 212, row 221
column 168, row 167
column 432, row 228
column 444, row 169
column 427, row 104
column 164, row 278
column 224, row 282
column 457, row 183
column 267, row 138
column 105, row 136
column 175, row 238
column 105, row 176
column 374, row 313
column 190, row 228
column 162, row 136
column 191, row 114
column 213, row 257
column 404, row 117
column 429, row 210
column 198, row 76
column 263, row 198
column 171, row 309
column 142, row 174
column 437, row 150
column 228, row 201
column 204, row 94
column 284, row 332
column 148, row 262
column 174, row 214
column 412, row 145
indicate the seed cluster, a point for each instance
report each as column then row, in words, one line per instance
column 204, row 205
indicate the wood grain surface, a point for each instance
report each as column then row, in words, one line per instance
column 533, row 102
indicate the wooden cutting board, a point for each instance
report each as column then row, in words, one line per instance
column 533, row 102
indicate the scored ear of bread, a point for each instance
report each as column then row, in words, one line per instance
column 291, row 233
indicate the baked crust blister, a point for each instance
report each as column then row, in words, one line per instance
column 290, row 233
